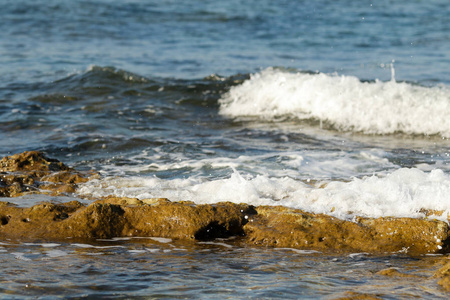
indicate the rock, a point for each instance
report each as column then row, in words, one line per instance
column 264, row 226
column 32, row 171
column 107, row 219
column 286, row 227
column 393, row 272
column 358, row 296
column 444, row 275
column 32, row 161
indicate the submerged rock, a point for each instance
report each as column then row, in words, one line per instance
column 393, row 272
column 358, row 296
column 33, row 172
column 444, row 276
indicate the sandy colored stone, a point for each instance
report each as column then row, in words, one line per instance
column 393, row 272
column 444, row 274
column 105, row 219
column 133, row 201
column 33, row 172
column 286, row 227
column 33, row 161
column 358, row 296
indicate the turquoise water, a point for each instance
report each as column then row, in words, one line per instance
column 243, row 101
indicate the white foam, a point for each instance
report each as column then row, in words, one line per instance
column 344, row 101
column 301, row 164
column 215, row 244
column 152, row 250
column 161, row 240
column 298, row 251
column 86, row 246
column 56, row 253
column 45, row 245
column 401, row 193
column 136, row 251
column 20, row 256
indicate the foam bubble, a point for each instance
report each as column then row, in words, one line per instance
column 344, row 101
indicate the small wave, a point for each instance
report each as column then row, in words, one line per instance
column 98, row 80
column 114, row 74
column 344, row 102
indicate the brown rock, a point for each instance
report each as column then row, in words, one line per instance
column 444, row 275
column 104, row 219
column 393, row 272
column 285, row 227
column 32, row 171
column 31, row 161
column 358, row 296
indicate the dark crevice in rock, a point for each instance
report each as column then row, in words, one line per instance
column 212, row 231
column 4, row 220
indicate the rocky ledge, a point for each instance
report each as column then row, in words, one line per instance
column 32, row 172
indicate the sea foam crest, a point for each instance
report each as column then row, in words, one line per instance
column 344, row 101
column 402, row 193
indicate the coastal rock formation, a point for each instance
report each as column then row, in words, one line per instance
column 444, row 276
column 259, row 226
column 358, row 296
column 33, row 172
column 105, row 219
column 286, row 227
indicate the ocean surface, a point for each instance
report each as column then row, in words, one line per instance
column 336, row 107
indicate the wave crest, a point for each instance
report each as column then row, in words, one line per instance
column 345, row 102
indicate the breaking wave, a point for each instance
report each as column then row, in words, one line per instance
column 343, row 102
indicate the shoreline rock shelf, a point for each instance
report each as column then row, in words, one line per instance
column 33, row 172
column 275, row 226
column 268, row 226
column 260, row 226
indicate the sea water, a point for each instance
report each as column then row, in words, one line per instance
column 336, row 107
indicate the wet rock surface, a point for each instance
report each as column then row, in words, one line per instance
column 444, row 275
column 33, row 172
column 286, row 227
column 264, row 226
column 132, row 217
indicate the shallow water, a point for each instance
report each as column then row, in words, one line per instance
column 339, row 107
column 162, row 268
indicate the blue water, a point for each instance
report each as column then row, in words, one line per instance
column 44, row 40
column 134, row 89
